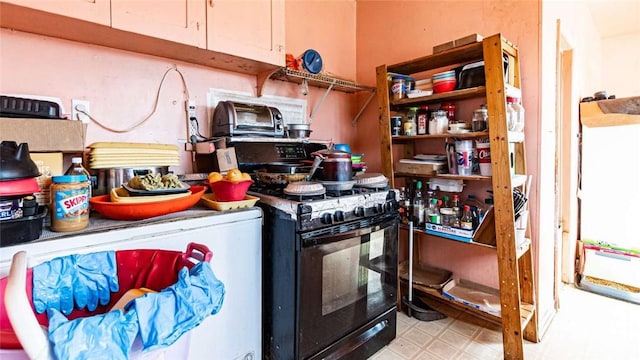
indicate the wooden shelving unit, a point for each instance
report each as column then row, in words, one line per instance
column 515, row 268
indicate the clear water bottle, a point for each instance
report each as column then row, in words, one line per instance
column 76, row 168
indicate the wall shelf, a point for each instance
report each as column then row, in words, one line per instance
column 318, row 80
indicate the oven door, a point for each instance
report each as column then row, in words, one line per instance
column 347, row 279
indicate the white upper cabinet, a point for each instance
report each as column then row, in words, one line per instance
column 182, row 21
column 96, row 11
column 252, row 29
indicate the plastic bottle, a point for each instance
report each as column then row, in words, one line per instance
column 401, row 209
column 455, row 205
column 76, row 168
column 423, row 119
column 433, row 212
column 477, row 208
column 466, row 221
column 418, row 206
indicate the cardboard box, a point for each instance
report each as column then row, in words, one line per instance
column 49, row 165
column 420, row 167
column 45, row 134
column 469, row 39
column 221, row 160
column 478, row 296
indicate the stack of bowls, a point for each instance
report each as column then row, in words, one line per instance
column 444, row 81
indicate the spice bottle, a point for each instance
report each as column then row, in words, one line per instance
column 423, row 119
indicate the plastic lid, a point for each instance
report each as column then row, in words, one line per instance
column 312, row 61
column 76, row 160
column 69, row 178
column 419, row 185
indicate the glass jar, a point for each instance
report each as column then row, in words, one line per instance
column 479, row 120
column 410, row 126
column 439, row 123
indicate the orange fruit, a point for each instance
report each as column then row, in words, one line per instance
column 246, row 176
column 234, row 175
column 214, row 176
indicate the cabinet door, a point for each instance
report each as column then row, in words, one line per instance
column 96, row 11
column 182, row 21
column 252, row 29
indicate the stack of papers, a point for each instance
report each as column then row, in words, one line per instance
column 129, row 155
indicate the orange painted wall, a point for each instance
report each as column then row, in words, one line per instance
column 395, row 31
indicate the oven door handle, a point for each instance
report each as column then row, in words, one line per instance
column 355, row 233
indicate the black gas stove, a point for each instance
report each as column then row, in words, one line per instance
column 332, row 207
column 329, row 263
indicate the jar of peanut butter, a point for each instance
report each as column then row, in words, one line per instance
column 69, row 202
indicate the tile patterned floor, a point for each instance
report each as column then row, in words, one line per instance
column 587, row 327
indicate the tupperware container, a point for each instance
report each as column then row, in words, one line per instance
column 27, row 228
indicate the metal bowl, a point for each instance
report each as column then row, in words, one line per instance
column 297, row 131
column 110, row 178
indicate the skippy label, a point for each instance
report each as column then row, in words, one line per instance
column 72, row 203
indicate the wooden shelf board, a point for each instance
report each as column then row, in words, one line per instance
column 446, row 176
column 457, row 55
column 523, row 248
column 421, row 232
column 526, row 310
column 469, row 135
column 446, row 96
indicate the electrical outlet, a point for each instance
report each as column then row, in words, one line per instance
column 77, row 107
column 190, row 107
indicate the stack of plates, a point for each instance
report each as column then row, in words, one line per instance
column 105, row 155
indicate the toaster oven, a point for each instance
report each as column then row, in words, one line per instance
column 239, row 119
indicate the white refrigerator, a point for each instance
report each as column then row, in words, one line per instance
column 233, row 237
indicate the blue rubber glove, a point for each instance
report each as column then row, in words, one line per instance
column 166, row 315
column 107, row 336
column 88, row 279
column 53, row 285
column 95, row 279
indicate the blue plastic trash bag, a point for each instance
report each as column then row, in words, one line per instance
column 166, row 315
column 86, row 279
column 107, row 336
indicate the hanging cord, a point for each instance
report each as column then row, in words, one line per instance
column 155, row 105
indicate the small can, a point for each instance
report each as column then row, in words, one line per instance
column 70, row 202
column 398, row 87
column 396, row 125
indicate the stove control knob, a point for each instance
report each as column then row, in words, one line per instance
column 388, row 206
column 327, row 219
column 338, row 216
column 378, row 208
column 359, row 211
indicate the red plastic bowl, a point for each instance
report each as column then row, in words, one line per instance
column 225, row 190
column 444, row 86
